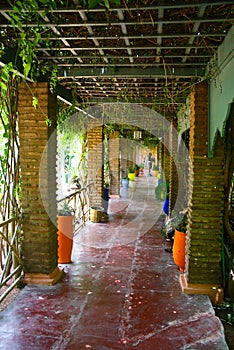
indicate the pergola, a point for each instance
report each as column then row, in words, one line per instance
column 145, row 52
column 153, row 53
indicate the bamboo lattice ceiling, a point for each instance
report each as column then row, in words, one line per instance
column 147, row 51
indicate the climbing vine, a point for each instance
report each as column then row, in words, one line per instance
column 10, row 194
column 25, row 41
column 27, row 38
column 9, row 144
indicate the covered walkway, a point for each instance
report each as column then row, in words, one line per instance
column 121, row 291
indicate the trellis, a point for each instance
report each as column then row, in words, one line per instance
column 79, row 201
column 11, row 270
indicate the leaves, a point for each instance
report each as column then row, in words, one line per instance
column 3, row 86
column 34, row 102
column 29, row 38
column 48, row 121
column 9, row 165
column 54, row 79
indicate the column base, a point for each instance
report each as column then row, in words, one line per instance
column 214, row 291
column 43, row 278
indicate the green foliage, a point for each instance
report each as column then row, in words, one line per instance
column 131, row 170
column 136, row 167
column 76, row 181
column 162, row 190
column 28, row 38
column 10, row 189
column 34, row 102
column 64, row 113
column 72, row 145
column 65, row 210
column 54, row 79
column 108, row 129
column 178, row 221
column 155, row 167
column 181, row 222
column 7, row 73
column 48, row 121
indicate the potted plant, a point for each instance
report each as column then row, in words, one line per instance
column 162, row 190
column 155, row 170
column 131, row 173
column 136, row 170
column 179, row 244
column 174, row 231
column 65, row 233
column 141, row 169
column 125, row 182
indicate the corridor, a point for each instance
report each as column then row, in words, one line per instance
column 120, row 292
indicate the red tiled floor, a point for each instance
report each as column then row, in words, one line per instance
column 121, row 291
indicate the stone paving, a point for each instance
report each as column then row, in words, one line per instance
column 120, row 292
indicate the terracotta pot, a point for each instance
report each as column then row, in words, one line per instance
column 136, row 172
column 179, row 249
column 65, row 238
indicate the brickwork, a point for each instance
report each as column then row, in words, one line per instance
column 95, row 164
column 203, row 256
column 124, row 157
column 157, row 154
column 166, row 164
column 130, row 154
column 39, row 246
column 173, row 169
column 114, row 161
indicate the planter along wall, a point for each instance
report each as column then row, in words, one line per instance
column 65, row 238
column 179, row 249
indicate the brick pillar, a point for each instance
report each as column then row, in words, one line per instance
column 157, row 155
column 166, row 159
column 124, row 157
column 206, row 179
column 131, row 153
column 173, row 169
column 160, row 156
column 95, row 164
column 114, row 162
column 39, row 247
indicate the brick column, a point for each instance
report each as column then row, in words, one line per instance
column 114, row 162
column 39, row 247
column 173, row 170
column 124, row 157
column 95, row 164
column 157, row 155
column 166, row 159
column 131, row 152
column 203, row 251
